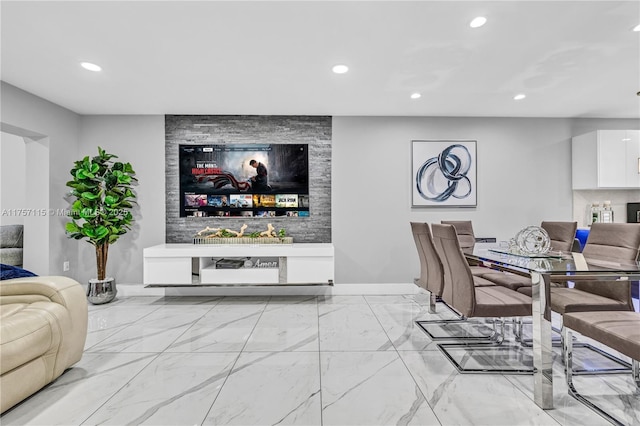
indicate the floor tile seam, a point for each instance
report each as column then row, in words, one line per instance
column 100, row 308
column 193, row 323
column 426, row 400
column 234, row 365
column 135, row 339
column 420, row 389
column 153, row 359
column 381, row 326
column 505, row 377
column 124, row 352
column 357, row 350
column 224, row 382
column 122, row 327
column 217, row 302
column 254, row 327
column 303, row 302
column 274, row 352
column 530, row 397
column 137, row 320
column 198, row 351
column 104, row 338
column 319, row 362
column 257, row 326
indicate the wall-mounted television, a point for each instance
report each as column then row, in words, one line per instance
column 253, row 180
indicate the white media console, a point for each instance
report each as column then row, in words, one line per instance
column 185, row 265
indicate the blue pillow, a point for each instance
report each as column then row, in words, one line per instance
column 8, row 272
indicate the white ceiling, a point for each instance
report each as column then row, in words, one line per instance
column 571, row 58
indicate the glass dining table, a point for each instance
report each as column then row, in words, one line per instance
column 557, row 267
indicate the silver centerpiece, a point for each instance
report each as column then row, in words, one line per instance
column 533, row 240
column 101, row 291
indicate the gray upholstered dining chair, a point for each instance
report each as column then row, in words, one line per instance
column 561, row 234
column 431, row 270
column 464, row 230
column 470, row 300
column 467, row 239
column 460, row 290
column 607, row 241
column 432, row 278
column 613, row 241
column 615, row 329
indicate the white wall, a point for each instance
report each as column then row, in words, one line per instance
column 12, row 178
column 138, row 140
column 56, row 130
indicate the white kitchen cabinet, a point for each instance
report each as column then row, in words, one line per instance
column 633, row 158
column 606, row 159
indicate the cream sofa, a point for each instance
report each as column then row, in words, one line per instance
column 43, row 328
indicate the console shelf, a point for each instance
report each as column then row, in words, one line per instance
column 190, row 265
column 329, row 284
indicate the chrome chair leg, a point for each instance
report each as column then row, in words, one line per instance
column 567, row 355
column 567, row 348
column 623, row 365
column 432, row 302
column 459, row 319
column 497, row 339
column 635, row 372
column 498, row 331
column 518, row 328
column 563, row 344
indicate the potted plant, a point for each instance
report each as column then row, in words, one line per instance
column 101, row 212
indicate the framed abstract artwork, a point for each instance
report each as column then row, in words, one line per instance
column 443, row 173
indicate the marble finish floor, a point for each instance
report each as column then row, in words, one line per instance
column 342, row 360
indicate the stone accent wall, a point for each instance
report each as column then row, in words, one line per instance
column 245, row 129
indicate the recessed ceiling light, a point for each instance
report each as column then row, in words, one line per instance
column 519, row 96
column 91, row 67
column 478, row 22
column 340, row 69
column 636, row 28
column 415, row 96
column 626, row 139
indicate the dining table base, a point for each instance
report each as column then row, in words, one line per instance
column 542, row 348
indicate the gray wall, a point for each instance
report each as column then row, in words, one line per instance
column 13, row 163
column 524, row 177
column 138, row 140
column 202, row 129
column 56, row 128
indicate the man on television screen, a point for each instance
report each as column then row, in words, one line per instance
column 259, row 182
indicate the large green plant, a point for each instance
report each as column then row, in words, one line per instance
column 101, row 212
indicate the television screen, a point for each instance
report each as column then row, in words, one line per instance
column 259, row 180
